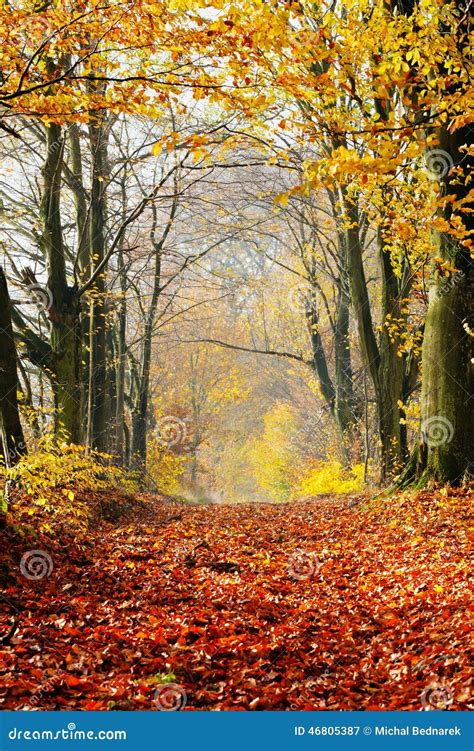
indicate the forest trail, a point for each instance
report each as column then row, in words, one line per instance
column 316, row 605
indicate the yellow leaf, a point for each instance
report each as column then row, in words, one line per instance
column 282, row 200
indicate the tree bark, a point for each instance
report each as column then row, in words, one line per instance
column 75, row 179
column 446, row 451
column 392, row 369
column 380, row 358
column 345, row 406
column 98, row 320
column 12, row 433
column 140, row 409
column 60, row 300
column 120, row 367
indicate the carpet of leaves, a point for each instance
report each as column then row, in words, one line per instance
column 206, row 596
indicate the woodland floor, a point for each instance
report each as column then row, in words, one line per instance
column 209, row 595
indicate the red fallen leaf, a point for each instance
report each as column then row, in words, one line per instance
column 92, row 705
column 62, row 701
column 72, row 681
column 71, row 631
column 338, row 640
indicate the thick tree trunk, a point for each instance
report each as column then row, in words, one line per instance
column 66, row 347
column 60, row 300
column 13, row 443
column 139, row 437
column 446, row 452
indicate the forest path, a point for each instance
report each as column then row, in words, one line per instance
column 308, row 606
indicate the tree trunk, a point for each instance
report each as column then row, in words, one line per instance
column 446, row 452
column 60, row 300
column 345, row 407
column 139, row 433
column 120, row 363
column 12, row 433
column 98, row 321
column 140, row 412
column 381, row 359
column 75, row 180
column 337, row 394
column 392, row 368
column 66, row 346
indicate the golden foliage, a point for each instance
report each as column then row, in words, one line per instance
column 330, row 477
column 164, row 467
column 55, row 475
